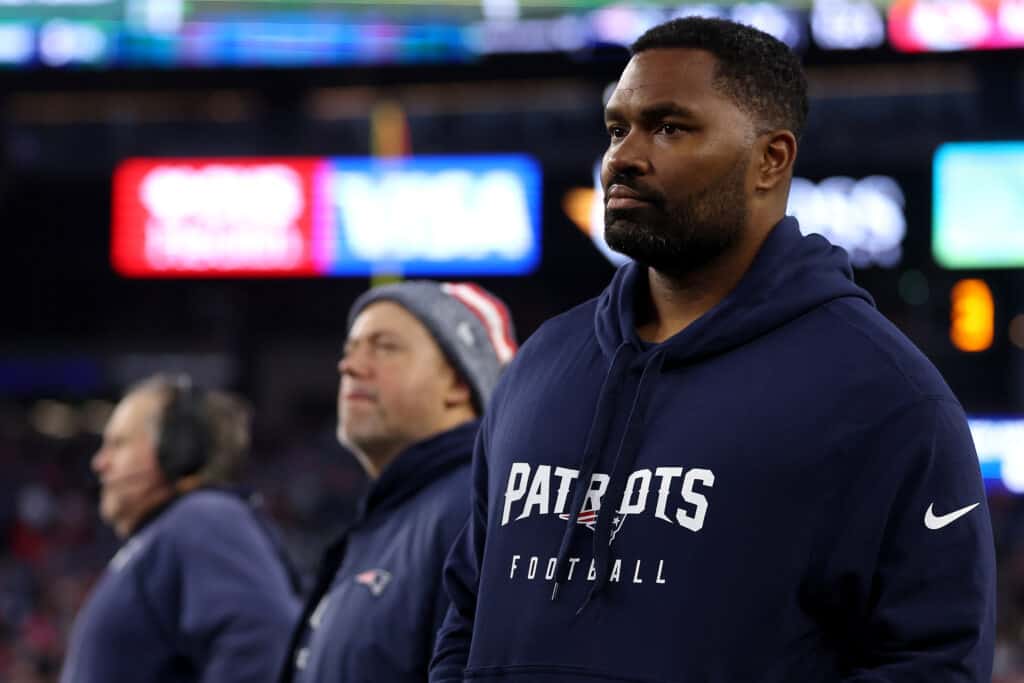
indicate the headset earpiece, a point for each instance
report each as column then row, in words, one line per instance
column 184, row 443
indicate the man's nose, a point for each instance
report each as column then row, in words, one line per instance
column 354, row 363
column 628, row 157
column 99, row 460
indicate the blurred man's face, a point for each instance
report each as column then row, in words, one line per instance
column 131, row 482
column 395, row 385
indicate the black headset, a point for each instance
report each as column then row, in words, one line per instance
column 184, row 448
column 185, row 440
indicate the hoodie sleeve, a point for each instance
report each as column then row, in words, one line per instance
column 234, row 608
column 911, row 574
column 461, row 579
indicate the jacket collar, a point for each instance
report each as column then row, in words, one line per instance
column 418, row 466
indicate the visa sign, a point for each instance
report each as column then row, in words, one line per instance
column 433, row 215
column 314, row 216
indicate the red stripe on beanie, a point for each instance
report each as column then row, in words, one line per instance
column 491, row 313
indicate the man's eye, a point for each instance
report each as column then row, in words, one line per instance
column 669, row 128
column 616, row 131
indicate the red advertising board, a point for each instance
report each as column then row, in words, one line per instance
column 242, row 217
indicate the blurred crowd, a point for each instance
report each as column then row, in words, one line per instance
column 53, row 545
column 1008, row 526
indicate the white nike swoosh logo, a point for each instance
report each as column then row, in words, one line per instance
column 934, row 522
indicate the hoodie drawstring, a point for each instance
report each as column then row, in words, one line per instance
column 625, row 458
column 591, row 454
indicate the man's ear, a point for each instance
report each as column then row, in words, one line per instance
column 776, row 153
column 458, row 392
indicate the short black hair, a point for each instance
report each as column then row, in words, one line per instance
column 758, row 72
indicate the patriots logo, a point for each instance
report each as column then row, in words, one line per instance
column 374, row 579
column 588, row 518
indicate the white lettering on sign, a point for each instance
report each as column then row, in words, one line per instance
column 864, row 217
column 221, row 217
column 950, row 25
column 847, row 24
column 64, row 42
column 452, row 214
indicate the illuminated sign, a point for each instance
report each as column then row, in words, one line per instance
column 977, row 204
column 63, row 42
column 456, row 215
column 972, row 316
column 622, row 24
column 942, row 25
column 1000, row 445
column 865, row 217
column 847, row 24
column 312, row 216
column 213, row 217
column 16, row 43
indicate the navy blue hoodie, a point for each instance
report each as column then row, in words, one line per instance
column 378, row 603
column 785, row 491
column 197, row 593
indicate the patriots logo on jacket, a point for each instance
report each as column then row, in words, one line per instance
column 588, row 518
column 374, row 579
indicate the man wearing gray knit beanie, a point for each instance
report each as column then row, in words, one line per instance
column 419, row 365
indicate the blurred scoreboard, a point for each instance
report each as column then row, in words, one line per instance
column 215, row 33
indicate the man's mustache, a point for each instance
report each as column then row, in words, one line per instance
column 640, row 191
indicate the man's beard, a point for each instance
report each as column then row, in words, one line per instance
column 685, row 235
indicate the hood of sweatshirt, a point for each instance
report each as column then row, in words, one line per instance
column 790, row 276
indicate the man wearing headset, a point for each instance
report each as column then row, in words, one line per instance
column 200, row 590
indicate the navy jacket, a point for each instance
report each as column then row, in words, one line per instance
column 198, row 593
column 378, row 603
column 785, row 491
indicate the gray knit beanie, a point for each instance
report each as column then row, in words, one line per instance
column 471, row 325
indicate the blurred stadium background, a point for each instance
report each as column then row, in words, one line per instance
column 205, row 186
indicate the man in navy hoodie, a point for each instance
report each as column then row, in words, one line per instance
column 200, row 590
column 728, row 467
column 419, row 365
